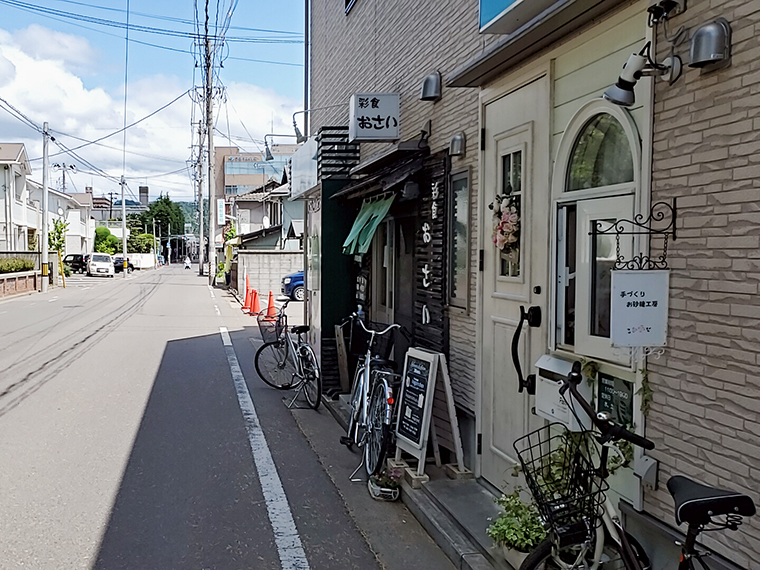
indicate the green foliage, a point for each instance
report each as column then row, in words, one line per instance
column 165, row 213
column 230, row 233
column 15, row 265
column 140, row 243
column 57, row 236
column 33, row 243
column 519, row 526
column 106, row 242
column 67, row 270
column 646, row 393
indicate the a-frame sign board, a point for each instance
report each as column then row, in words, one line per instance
column 426, row 408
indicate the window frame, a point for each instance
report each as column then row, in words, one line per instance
column 349, row 5
column 454, row 176
column 585, row 344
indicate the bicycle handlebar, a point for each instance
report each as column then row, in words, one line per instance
column 390, row 327
column 608, row 429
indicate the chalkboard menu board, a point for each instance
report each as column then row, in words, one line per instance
column 416, row 398
column 616, row 398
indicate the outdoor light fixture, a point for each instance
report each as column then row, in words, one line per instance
column 267, row 152
column 663, row 9
column 431, row 87
column 458, row 145
column 711, row 46
column 300, row 138
column 640, row 65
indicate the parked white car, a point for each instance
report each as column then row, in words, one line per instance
column 100, row 264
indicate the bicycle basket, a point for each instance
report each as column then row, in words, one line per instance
column 272, row 328
column 382, row 346
column 561, row 476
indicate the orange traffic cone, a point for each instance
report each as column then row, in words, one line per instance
column 271, row 311
column 246, row 308
column 255, row 305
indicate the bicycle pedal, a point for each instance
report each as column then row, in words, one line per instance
column 347, row 441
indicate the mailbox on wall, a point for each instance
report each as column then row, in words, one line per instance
column 549, row 404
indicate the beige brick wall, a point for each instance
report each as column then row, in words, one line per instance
column 391, row 45
column 705, row 418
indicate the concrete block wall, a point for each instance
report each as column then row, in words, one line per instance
column 390, row 46
column 265, row 270
column 705, row 418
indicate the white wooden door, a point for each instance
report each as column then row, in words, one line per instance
column 383, row 272
column 516, row 166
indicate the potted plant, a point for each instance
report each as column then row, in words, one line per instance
column 517, row 529
column 386, row 485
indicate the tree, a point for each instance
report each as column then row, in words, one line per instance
column 57, row 242
column 164, row 212
column 106, row 242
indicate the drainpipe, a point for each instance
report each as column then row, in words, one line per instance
column 8, row 210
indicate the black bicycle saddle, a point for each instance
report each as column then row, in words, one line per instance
column 697, row 503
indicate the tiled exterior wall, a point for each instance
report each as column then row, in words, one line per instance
column 390, row 46
column 705, row 418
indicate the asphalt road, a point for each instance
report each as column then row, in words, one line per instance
column 135, row 434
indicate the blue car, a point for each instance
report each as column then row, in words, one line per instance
column 292, row 286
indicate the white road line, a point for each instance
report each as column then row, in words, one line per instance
column 218, row 312
column 289, row 547
column 211, row 290
column 53, row 299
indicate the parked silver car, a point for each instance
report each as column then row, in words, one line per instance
column 100, row 264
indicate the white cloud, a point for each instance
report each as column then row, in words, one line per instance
column 74, row 52
column 45, row 90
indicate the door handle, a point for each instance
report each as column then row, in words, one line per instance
column 533, row 317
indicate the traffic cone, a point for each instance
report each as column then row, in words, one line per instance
column 246, row 308
column 255, row 305
column 271, row 311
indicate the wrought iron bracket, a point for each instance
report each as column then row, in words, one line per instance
column 660, row 223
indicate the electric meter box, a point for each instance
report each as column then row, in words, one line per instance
column 549, row 403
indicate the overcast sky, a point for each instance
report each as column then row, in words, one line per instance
column 63, row 62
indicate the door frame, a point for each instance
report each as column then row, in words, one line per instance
column 503, row 87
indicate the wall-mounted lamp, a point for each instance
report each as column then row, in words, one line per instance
column 640, row 65
column 663, row 9
column 458, row 145
column 267, row 152
column 300, row 138
column 431, row 87
column 711, row 46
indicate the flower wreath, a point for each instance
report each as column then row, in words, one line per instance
column 506, row 228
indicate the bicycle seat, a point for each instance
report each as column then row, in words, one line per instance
column 384, row 362
column 300, row 329
column 697, row 503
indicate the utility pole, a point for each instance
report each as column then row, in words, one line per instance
column 169, row 256
column 63, row 167
column 110, row 197
column 211, row 181
column 45, row 252
column 155, row 249
column 200, row 197
column 123, row 226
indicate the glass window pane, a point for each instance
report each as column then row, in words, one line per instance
column 507, row 216
column 601, row 155
column 570, row 258
column 602, row 260
column 460, row 250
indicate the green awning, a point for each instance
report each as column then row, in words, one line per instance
column 370, row 216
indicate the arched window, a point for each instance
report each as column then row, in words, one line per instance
column 601, row 155
column 597, row 178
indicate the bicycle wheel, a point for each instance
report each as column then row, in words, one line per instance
column 312, row 378
column 356, row 405
column 378, row 431
column 612, row 558
column 275, row 365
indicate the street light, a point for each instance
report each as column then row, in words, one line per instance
column 301, row 138
column 267, row 152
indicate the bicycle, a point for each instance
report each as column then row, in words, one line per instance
column 585, row 531
column 286, row 364
column 371, row 416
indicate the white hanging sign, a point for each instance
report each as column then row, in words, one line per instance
column 374, row 117
column 220, row 211
column 639, row 312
